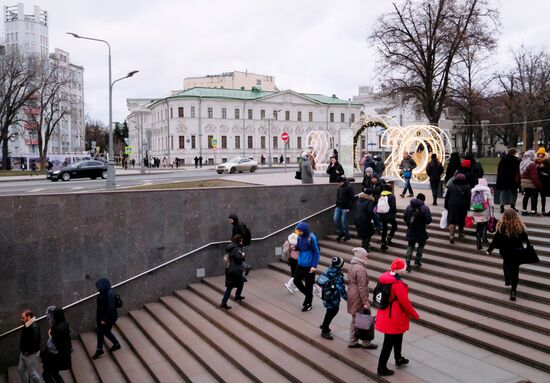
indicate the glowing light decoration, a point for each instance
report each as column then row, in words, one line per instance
column 319, row 142
column 368, row 122
column 418, row 140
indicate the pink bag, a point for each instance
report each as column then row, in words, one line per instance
column 492, row 226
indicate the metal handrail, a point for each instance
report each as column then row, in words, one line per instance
column 162, row 265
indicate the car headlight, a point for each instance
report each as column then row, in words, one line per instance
column 56, row 172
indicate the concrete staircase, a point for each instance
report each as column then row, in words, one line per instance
column 458, row 292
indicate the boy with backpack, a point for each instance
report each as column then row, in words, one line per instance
column 417, row 216
column 387, row 209
column 333, row 288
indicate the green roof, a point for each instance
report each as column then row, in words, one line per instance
column 240, row 94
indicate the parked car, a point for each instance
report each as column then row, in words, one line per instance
column 237, row 165
column 80, row 169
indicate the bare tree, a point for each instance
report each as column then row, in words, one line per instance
column 96, row 131
column 418, row 43
column 17, row 86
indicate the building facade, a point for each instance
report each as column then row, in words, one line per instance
column 219, row 124
column 232, row 80
column 29, row 33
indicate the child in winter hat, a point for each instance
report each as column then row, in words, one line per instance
column 334, row 290
column 397, row 266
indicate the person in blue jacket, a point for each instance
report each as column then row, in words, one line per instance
column 308, row 258
column 332, row 295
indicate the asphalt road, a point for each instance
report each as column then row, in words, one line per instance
column 85, row 185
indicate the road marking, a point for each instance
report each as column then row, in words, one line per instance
column 34, row 190
column 78, row 188
column 147, row 183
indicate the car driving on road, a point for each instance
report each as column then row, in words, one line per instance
column 238, row 164
column 80, row 169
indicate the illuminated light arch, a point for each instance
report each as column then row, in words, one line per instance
column 422, row 141
column 366, row 122
column 319, row 142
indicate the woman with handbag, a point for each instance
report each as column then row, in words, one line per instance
column 234, row 277
column 509, row 238
column 457, row 203
column 482, row 209
column 358, row 295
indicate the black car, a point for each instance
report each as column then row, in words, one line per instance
column 80, row 169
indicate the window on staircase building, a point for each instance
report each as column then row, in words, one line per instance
column 182, row 142
column 250, row 142
column 180, row 112
column 224, row 142
column 237, row 142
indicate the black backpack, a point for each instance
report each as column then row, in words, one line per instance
column 118, row 301
column 328, row 287
column 381, row 295
column 247, row 236
column 415, row 218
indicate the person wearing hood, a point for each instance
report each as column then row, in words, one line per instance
column 406, row 167
column 234, row 277
column 417, row 216
column 457, row 203
column 29, row 345
column 240, row 228
column 530, row 182
column 57, row 357
column 332, row 295
column 508, row 179
column 106, row 316
column 364, row 214
column 308, row 259
column 482, row 208
column 434, row 170
column 452, row 166
column 306, row 169
column 292, row 260
column 544, row 177
column 344, row 202
column 393, row 321
column 358, row 295
column 334, row 170
column 387, row 209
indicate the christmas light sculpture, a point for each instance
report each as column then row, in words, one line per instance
column 319, row 142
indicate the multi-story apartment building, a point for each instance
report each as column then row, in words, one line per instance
column 232, row 80
column 218, row 124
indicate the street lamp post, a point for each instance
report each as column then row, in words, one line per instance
column 270, row 160
column 111, row 175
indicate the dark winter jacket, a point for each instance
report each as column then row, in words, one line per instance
column 364, row 213
column 389, row 216
column 234, row 272
column 530, row 178
column 345, row 196
column 457, row 202
column 473, row 173
column 61, row 336
column 434, row 170
column 407, row 164
column 369, row 187
column 30, row 337
column 508, row 177
column 237, row 226
column 452, row 166
column 335, row 171
column 106, row 302
column 307, row 246
column 417, row 231
column 544, row 175
column 337, row 276
column 509, row 247
column 380, row 166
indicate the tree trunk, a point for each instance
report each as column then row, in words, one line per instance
column 529, row 137
column 5, row 154
column 479, row 141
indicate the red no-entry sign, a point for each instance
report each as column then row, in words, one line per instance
column 284, row 136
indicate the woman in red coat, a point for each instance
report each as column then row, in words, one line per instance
column 393, row 320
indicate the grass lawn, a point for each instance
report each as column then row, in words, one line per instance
column 12, row 173
column 489, row 164
column 191, row 185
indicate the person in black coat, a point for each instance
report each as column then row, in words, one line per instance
column 234, row 270
column 434, row 170
column 364, row 213
column 457, row 203
column 29, row 345
column 60, row 342
column 344, row 203
column 417, row 216
column 509, row 238
column 106, row 316
column 508, row 179
column 334, row 170
column 452, row 166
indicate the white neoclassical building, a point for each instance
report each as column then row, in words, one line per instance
column 218, row 123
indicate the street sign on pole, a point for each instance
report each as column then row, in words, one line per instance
column 284, row 136
column 127, row 150
column 214, row 143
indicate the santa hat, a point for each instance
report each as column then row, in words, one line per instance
column 397, row 265
column 466, row 164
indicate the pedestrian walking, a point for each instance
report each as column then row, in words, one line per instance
column 434, row 170
column 281, row 160
column 57, row 356
column 344, row 202
column 358, row 295
column 543, row 177
column 306, row 169
column 234, row 278
column 509, row 238
column 333, row 291
column 308, row 258
column 240, row 228
column 200, row 161
column 196, row 159
column 364, row 213
column 482, row 209
column 407, row 166
column 29, row 346
column 367, row 162
column 457, row 203
column 508, row 179
column 290, row 246
column 334, row 170
column 50, row 165
column 33, row 168
column 380, row 165
column 262, row 160
column 452, row 166
column 417, row 216
column 393, row 321
column 386, row 208
column 530, row 182
column 106, row 316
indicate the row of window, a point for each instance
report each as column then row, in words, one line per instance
column 237, row 114
column 222, row 143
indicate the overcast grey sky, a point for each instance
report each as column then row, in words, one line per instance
column 308, row 45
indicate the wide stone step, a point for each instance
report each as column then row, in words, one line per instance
column 216, row 364
column 13, row 375
column 184, row 362
column 151, row 358
column 105, row 366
